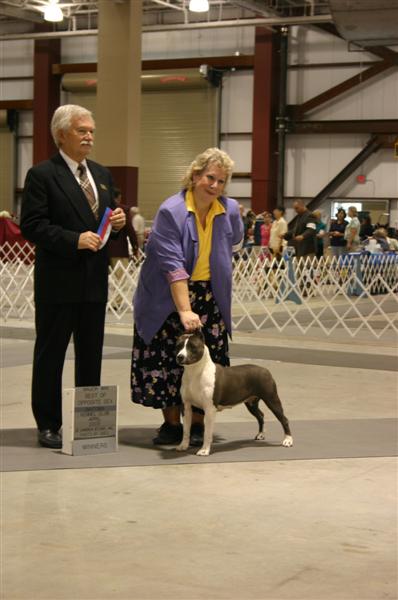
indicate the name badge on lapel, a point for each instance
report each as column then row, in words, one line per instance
column 103, row 186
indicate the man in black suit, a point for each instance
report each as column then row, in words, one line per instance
column 64, row 200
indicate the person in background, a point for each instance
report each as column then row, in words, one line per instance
column 249, row 235
column 118, row 248
column 63, row 202
column 302, row 233
column 392, row 241
column 244, row 221
column 336, row 233
column 320, row 233
column 185, row 283
column 138, row 223
column 265, row 229
column 379, row 240
column 366, row 229
column 258, row 222
column 351, row 233
column 278, row 230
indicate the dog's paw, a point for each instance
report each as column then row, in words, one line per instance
column 260, row 436
column 288, row 441
column 182, row 447
column 203, row 452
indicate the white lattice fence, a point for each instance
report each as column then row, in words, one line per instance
column 16, row 276
column 356, row 293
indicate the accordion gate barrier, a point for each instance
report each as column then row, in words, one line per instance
column 356, row 292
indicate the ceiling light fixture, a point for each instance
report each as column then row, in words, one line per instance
column 198, row 5
column 52, row 12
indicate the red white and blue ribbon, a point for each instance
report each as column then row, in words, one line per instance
column 104, row 230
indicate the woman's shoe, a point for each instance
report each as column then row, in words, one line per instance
column 197, row 431
column 168, row 435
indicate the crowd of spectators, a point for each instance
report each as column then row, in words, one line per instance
column 311, row 236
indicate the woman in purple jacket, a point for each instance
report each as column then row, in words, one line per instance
column 185, row 283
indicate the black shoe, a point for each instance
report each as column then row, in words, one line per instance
column 49, row 439
column 197, row 431
column 168, row 435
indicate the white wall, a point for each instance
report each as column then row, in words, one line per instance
column 237, row 118
column 16, row 61
column 224, row 41
column 312, row 160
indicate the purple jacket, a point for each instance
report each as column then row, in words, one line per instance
column 171, row 255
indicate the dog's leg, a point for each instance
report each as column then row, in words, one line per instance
column 253, row 409
column 210, row 417
column 275, row 405
column 187, row 420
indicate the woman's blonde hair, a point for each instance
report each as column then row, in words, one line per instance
column 210, row 156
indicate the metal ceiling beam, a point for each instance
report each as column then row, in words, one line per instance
column 254, row 6
column 269, row 22
column 388, row 126
column 16, row 104
column 217, row 62
column 373, row 145
column 20, row 13
column 344, row 86
column 380, row 51
column 168, row 5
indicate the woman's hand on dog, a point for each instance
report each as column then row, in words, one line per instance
column 190, row 320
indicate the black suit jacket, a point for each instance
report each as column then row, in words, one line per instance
column 55, row 212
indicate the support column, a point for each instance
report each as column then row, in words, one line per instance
column 118, row 110
column 265, row 105
column 46, row 97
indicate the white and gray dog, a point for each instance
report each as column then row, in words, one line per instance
column 213, row 387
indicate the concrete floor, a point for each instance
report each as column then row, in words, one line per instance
column 299, row 530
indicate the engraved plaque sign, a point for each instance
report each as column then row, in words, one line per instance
column 90, row 420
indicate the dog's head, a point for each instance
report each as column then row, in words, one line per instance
column 190, row 348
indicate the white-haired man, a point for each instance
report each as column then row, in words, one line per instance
column 63, row 203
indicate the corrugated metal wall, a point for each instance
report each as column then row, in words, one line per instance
column 176, row 125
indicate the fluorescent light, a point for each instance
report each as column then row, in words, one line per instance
column 198, row 5
column 52, row 12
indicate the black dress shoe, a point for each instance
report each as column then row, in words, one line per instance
column 49, row 439
column 196, row 438
column 168, row 435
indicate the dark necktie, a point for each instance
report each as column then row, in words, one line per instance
column 87, row 189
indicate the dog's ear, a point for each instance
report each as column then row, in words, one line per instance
column 199, row 334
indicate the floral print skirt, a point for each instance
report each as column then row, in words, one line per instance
column 155, row 374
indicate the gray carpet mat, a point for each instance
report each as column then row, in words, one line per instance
column 349, row 438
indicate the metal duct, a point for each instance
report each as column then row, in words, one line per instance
column 151, row 81
column 366, row 22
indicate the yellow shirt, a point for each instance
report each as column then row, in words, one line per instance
column 201, row 271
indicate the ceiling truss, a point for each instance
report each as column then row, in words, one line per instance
column 83, row 15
